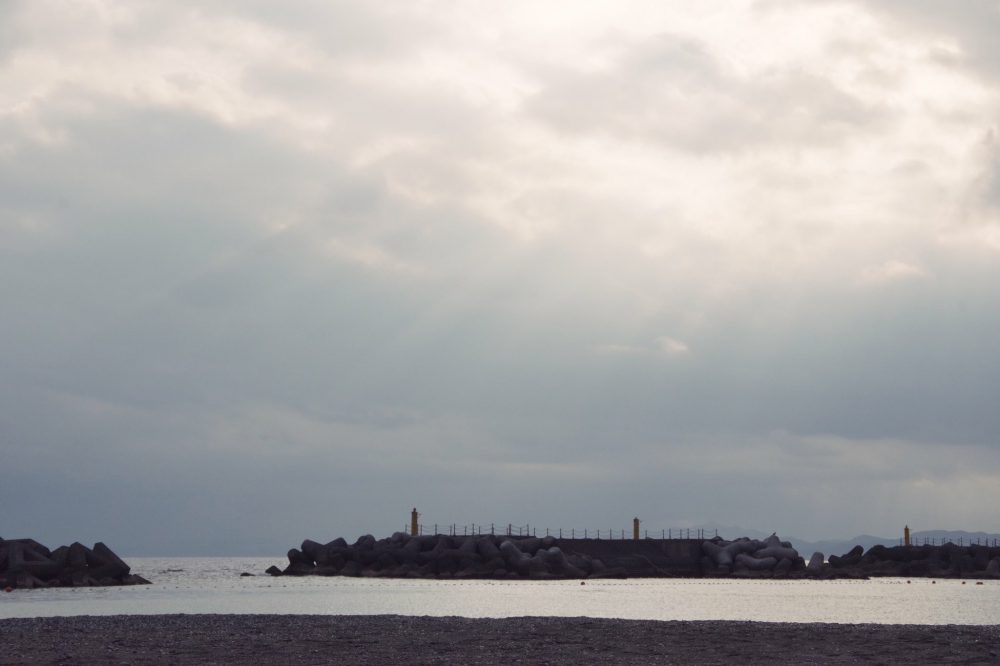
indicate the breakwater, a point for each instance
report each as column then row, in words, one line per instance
column 446, row 556
column 27, row 564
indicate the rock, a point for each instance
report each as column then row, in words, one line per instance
column 581, row 563
column 273, row 570
column 352, row 569
column 296, row 556
column 536, row 564
column 515, row 559
column 724, row 554
column 529, row 546
column 386, row 561
column 60, row 556
column 77, row 556
column 555, row 559
column 815, row 563
column 25, row 563
column 299, row 569
column 112, row 566
column 314, row 552
column 486, row 548
column 783, row 567
column 756, row 564
column 850, row 558
column 468, row 548
column 778, row 552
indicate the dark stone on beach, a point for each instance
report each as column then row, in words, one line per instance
column 273, row 570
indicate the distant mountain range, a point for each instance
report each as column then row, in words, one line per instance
column 840, row 546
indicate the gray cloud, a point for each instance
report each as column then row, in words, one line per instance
column 971, row 26
column 281, row 298
column 672, row 90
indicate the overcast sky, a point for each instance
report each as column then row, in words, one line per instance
column 274, row 270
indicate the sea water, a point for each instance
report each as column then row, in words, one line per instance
column 214, row 585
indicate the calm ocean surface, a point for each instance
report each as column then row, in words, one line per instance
column 213, row 585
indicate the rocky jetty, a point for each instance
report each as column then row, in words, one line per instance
column 773, row 558
column 945, row 561
column 441, row 556
column 26, row 564
column 549, row 558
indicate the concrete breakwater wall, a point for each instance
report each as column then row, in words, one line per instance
column 26, row 564
column 547, row 558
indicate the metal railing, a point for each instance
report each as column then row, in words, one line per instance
column 933, row 541
column 528, row 530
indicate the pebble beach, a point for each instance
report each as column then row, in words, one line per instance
column 391, row 639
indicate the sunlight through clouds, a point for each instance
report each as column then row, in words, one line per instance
column 406, row 239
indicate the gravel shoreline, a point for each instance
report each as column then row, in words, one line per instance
column 393, row 639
